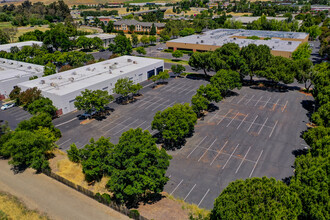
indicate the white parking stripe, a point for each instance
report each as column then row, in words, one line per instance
column 230, row 157
column 126, row 126
column 189, row 192
column 284, row 106
column 218, row 153
column 258, row 101
column 65, row 122
column 224, row 117
column 203, row 197
column 207, row 150
column 232, row 120
column 252, row 123
column 249, row 100
column 109, row 123
column 160, row 105
column 262, row 126
column 64, row 142
column 140, row 124
column 117, row 125
column 242, row 121
column 196, row 146
column 255, row 164
column 273, row 129
column 266, row 103
column 176, row 187
column 243, row 160
column 241, row 99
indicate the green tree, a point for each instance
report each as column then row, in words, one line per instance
column 4, row 37
column 152, row 39
column 302, row 52
column 260, row 198
column 14, row 94
column 153, row 30
column 122, row 45
column 314, row 31
column 201, row 61
column 177, row 54
column 84, row 42
column 28, row 149
column 279, row 69
column 28, row 96
column 49, row 69
column 311, row 182
column 42, row 105
column 73, row 153
column 163, row 75
column 136, row 88
column 175, row 124
column 131, row 28
column 322, row 116
column 123, row 87
column 305, row 72
column 135, row 39
column 90, row 101
column 139, row 167
column 178, row 69
column 199, row 103
column 145, row 40
column 141, row 50
column 225, row 80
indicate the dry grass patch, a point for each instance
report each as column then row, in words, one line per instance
column 12, row 208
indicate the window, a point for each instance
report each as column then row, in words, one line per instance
column 105, row 88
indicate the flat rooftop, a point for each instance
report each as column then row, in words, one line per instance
column 79, row 78
column 6, row 47
column 220, row 37
column 12, row 69
column 101, row 36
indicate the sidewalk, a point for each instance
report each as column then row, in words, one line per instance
column 55, row 199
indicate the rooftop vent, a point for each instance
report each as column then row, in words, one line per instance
column 11, row 63
column 197, row 37
column 234, row 38
column 71, row 79
column 116, row 63
column 129, row 60
column 88, row 69
column 197, row 42
column 110, row 72
column 60, row 77
column 21, row 65
column 289, row 43
column 121, row 71
column 18, row 76
column 53, row 84
column 74, row 73
column 93, row 69
column 202, row 41
column 42, row 81
column 37, row 69
column 134, row 62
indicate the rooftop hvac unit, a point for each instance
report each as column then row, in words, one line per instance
column 197, row 42
column 74, row 73
column 110, row 72
column 93, row 69
column 234, row 38
column 197, row 37
column 18, row 76
column 129, row 60
column 289, row 43
column 42, row 81
column 37, row 69
column 11, row 63
column 202, row 41
column 52, row 84
column 116, row 63
column 88, row 69
column 134, row 62
column 276, row 42
column 60, row 77
column 21, row 65
column 121, row 71
column 29, row 67
column 71, row 79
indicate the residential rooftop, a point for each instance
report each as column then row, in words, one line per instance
column 11, row 69
column 79, row 78
column 220, row 37
column 6, row 47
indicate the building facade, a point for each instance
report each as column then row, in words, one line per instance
column 13, row 72
column 63, row 88
column 124, row 25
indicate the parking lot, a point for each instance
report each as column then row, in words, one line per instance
column 133, row 115
column 253, row 134
column 14, row 115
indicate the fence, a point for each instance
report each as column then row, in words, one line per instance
column 120, row 208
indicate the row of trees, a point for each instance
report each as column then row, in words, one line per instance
column 31, row 143
column 325, row 39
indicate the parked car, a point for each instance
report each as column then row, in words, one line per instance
column 7, row 106
column 87, row 115
column 160, row 48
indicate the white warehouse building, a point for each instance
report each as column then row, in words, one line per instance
column 20, row 45
column 63, row 88
column 13, row 72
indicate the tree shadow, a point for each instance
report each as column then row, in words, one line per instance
column 198, row 76
column 287, row 180
column 152, row 198
column 19, row 169
column 269, row 86
column 309, row 106
column 299, row 152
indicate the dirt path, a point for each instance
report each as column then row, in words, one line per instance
column 55, row 199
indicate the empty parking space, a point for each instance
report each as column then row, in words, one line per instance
column 14, row 115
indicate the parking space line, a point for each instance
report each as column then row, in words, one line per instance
column 193, row 90
column 224, row 116
column 203, row 197
column 159, row 105
column 242, row 121
column 185, row 89
column 167, row 106
column 266, row 102
column 218, row 153
column 252, row 123
column 140, row 124
column 145, row 102
column 241, row 99
column 207, row 150
column 196, row 146
column 234, row 156
column 126, row 126
column 24, row 117
column 64, row 142
column 232, row 120
column 153, row 103
column 255, row 164
column 276, row 104
column 272, row 129
column 189, row 192
column 176, row 187
column 262, row 125
column 65, row 122
column 230, row 157
column 243, row 160
column 258, row 101
column 249, row 100
column 214, row 116
column 284, row 106
column 109, row 123
column 117, row 125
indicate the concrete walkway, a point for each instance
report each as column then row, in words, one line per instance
column 57, row 200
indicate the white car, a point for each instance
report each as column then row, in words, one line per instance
column 7, row 106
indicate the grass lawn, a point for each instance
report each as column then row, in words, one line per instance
column 12, row 208
column 5, row 25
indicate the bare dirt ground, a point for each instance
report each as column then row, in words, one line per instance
column 58, row 201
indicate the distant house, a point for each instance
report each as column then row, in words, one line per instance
column 123, row 25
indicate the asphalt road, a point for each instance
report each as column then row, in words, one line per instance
column 49, row 196
column 14, row 115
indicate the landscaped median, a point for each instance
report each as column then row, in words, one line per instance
column 167, row 207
